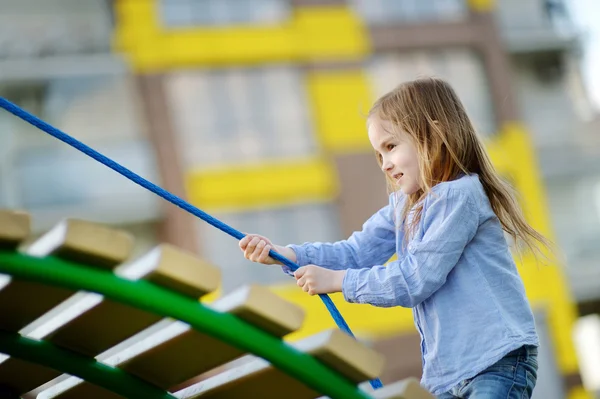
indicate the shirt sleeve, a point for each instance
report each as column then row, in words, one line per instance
column 448, row 223
column 374, row 244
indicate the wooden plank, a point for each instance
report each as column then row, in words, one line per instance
column 100, row 327
column 26, row 306
column 15, row 227
column 176, row 353
column 408, row 388
column 89, row 243
column 190, row 353
column 180, row 353
column 259, row 306
column 22, row 302
column 344, row 354
column 80, row 391
column 175, row 269
column 257, row 378
column 100, row 323
column 20, row 377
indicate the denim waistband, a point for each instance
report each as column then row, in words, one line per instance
column 524, row 351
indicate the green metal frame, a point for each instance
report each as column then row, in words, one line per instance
column 152, row 298
column 111, row 378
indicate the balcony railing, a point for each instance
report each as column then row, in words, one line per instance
column 536, row 25
column 377, row 12
column 32, row 29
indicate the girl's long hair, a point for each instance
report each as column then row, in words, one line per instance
column 430, row 112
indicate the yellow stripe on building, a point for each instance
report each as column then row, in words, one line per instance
column 482, row 5
column 323, row 33
column 340, row 101
column 545, row 283
column 278, row 183
column 365, row 321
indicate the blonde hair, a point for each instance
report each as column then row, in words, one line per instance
column 430, row 112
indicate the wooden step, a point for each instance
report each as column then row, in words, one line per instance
column 104, row 323
column 15, row 227
column 177, row 353
column 79, row 391
column 20, row 376
column 26, row 306
column 259, row 379
column 408, row 388
column 17, row 376
column 22, row 302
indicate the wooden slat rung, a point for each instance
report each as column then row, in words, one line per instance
column 23, row 302
column 344, row 354
column 177, row 353
column 89, row 243
column 259, row 379
column 191, row 353
column 15, row 227
column 174, row 269
column 92, row 324
column 408, row 388
column 187, row 354
column 20, row 376
column 102, row 327
column 107, row 323
column 255, row 379
column 83, row 391
column 259, row 306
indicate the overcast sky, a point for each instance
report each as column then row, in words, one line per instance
column 586, row 14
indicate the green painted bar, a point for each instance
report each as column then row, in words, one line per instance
column 145, row 295
column 111, row 378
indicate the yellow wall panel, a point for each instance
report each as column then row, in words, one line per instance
column 380, row 322
column 330, row 33
column 322, row 33
column 263, row 185
column 340, row 101
column 482, row 5
column 546, row 284
column 231, row 46
column 135, row 23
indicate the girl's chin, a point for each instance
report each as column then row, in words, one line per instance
column 407, row 190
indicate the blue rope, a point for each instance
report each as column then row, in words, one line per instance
column 33, row 120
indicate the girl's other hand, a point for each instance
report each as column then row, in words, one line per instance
column 315, row 279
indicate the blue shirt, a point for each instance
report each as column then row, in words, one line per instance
column 456, row 273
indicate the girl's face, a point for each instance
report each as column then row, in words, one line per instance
column 398, row 155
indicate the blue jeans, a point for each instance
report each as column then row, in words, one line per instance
column 512, row 377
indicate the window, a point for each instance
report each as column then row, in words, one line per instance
column 52, row 179
column 101, row 108
column 50, row 27
column 233, row 116
column 61, row 175
column 186, row 13
column 297, row 224
column 391, row 11
column 462, row 68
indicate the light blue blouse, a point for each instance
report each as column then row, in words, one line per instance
column 456, row 273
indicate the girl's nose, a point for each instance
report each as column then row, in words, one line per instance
column 386, row 165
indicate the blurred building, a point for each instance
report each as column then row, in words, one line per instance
column 253, row 110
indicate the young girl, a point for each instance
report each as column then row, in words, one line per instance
column 447, row 213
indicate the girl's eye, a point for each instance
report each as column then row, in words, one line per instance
column 390, row 147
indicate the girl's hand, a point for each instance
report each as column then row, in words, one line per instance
column 318, row 280
column 256, row 249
